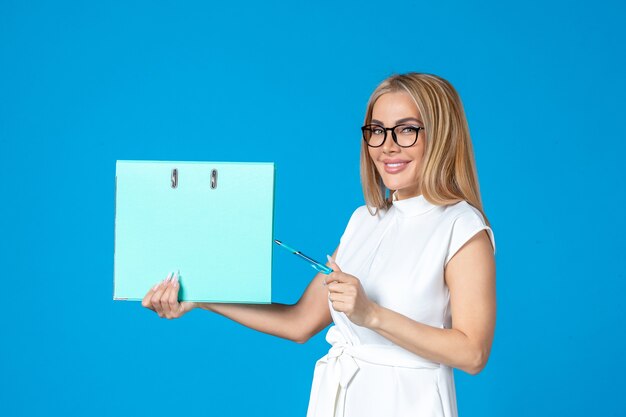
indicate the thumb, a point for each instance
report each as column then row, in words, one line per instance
column 333, row 264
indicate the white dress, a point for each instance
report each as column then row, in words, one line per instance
column 399, row 256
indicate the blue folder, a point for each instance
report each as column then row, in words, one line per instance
column 212, row 221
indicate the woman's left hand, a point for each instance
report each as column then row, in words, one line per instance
column 348, row 296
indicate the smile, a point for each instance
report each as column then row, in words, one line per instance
column 395, row 167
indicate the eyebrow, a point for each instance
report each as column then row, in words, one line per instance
column 406, row 119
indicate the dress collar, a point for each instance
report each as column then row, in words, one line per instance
column 412, row 206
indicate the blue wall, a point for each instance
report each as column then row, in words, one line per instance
column 83, row 84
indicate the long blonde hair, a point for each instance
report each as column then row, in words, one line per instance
column 448, row 171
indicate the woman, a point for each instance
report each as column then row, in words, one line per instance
column 412, row 293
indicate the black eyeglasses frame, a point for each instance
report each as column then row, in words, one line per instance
column 393, row 134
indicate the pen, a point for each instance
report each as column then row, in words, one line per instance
column 314, row 264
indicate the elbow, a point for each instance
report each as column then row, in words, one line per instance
column 306, row 331
column 305, row 334
column 478, row 363
column 298, row 335
column 301, row 338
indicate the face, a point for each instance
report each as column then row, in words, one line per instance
column 399, row 167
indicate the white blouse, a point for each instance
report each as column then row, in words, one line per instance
column 399, row 256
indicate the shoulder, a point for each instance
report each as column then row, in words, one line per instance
column 462, row 222
column 462, row 209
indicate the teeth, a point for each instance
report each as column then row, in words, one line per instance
column 396, row 164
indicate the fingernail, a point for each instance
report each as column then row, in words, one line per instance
column 330, row 259
column 169, row 277
column 156, row 287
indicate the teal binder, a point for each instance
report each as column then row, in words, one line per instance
column 212, row 221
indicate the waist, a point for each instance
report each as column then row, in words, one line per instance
column 384, row 355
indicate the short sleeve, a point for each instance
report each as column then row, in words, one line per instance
column 351, row 227
column 352, row 224
column 464, row 227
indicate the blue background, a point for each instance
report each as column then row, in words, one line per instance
column 83, row 84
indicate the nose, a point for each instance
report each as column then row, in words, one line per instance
column 390, row 145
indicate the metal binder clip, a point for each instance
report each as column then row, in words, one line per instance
column 214, row 179
column 174, row 178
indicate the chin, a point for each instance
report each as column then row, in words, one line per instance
column 395, row 181
column 397, row 185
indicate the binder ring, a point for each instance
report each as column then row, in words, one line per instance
column 214, row 179
column 174, row 178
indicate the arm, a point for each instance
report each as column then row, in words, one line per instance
column 470, row 276
column 297, row 322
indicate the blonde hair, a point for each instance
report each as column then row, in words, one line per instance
column 448, row 171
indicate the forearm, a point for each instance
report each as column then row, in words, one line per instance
column 448, row 346
column 276, row 319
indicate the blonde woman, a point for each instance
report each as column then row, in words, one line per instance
column 412, row 295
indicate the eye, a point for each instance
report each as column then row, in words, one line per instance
column 377, row 130
column 408, row 130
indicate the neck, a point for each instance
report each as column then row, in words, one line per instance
column 404, row 194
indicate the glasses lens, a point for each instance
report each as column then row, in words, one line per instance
column 374, row 135
column 406, row 134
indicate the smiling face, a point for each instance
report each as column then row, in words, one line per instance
column 399, row 167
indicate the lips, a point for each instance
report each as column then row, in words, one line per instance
column 393, row 166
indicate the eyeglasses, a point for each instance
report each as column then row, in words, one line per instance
column 404, row 135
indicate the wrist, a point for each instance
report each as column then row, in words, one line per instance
column 197, row 304
column 204, row 306
column 374, row 317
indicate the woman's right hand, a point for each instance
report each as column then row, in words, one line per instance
column 163, row 298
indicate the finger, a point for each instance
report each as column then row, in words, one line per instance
column 333, row 265
column 172, row 298
column 332, row 277
column 336, row 301
column 186, row 306
column 166, row 305
column 339, row 297
column 146, row 302
column 338, row 287
column 328, row 278
column 158, row 294
column 338, row 277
